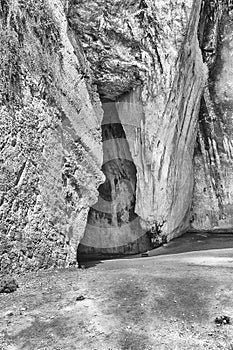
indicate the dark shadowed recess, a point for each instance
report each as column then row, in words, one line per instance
column 119, row 190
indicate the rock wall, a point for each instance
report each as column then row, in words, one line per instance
column 145, row 56
column 51, row 150
column 154, row 67
column 213, row 193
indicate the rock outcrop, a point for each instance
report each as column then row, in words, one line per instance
column 145, row 57
column 213, row 192
column 51, row 150
column 106, row 87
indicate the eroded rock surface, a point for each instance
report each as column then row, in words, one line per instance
column 145, row 55
column 51, row 150
column 64, row 63
column 213, row 191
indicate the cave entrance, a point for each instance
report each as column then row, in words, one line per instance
column 113, row 228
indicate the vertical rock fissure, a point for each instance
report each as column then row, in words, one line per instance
column 113, row 227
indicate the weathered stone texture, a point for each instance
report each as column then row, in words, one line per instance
column 213, row 191
column 145, row 55
column 152, row 62
column 50, row 138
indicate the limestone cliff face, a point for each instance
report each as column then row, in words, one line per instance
column 115, row 88
column 213, row 192
column 51, row 150
column 145, row 56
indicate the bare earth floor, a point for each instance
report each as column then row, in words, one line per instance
column 166, row 301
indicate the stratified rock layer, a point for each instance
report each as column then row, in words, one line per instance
column 51, row 150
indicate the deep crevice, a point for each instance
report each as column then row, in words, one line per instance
column 113, row 227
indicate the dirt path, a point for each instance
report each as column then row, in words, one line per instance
column 161, row 302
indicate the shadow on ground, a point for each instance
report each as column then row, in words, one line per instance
column 164, row 302
column 192, row 241
column 189, row 242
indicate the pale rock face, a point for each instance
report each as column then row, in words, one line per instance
column 166, row 131
column 126, row 43
column 145, row 56
column 213, row 192
column 51, row 150
column 65, row 66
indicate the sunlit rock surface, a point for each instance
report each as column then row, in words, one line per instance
column 145, row 55
column 51, row 150
column 66, row 66
column 213, row 191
